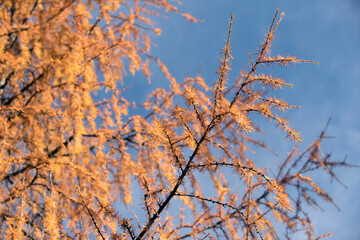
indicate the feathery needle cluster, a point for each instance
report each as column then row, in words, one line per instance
column 72, row 151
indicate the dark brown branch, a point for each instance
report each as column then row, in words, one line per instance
column 90, row 213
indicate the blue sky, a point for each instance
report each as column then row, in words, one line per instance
column 325, row 31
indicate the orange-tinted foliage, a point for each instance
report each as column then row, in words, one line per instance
column 70, row 153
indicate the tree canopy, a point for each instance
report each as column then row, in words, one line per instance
column 71, row 151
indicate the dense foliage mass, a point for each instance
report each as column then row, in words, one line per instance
column 70, row 151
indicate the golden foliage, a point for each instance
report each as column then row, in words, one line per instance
column 71, row 151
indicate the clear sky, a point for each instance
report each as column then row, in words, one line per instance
column 325, row 31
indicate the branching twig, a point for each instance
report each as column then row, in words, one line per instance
column 89, row 212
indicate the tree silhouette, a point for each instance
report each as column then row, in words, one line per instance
column 71, row 152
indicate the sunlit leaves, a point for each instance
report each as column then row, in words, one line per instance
column 73, row 148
